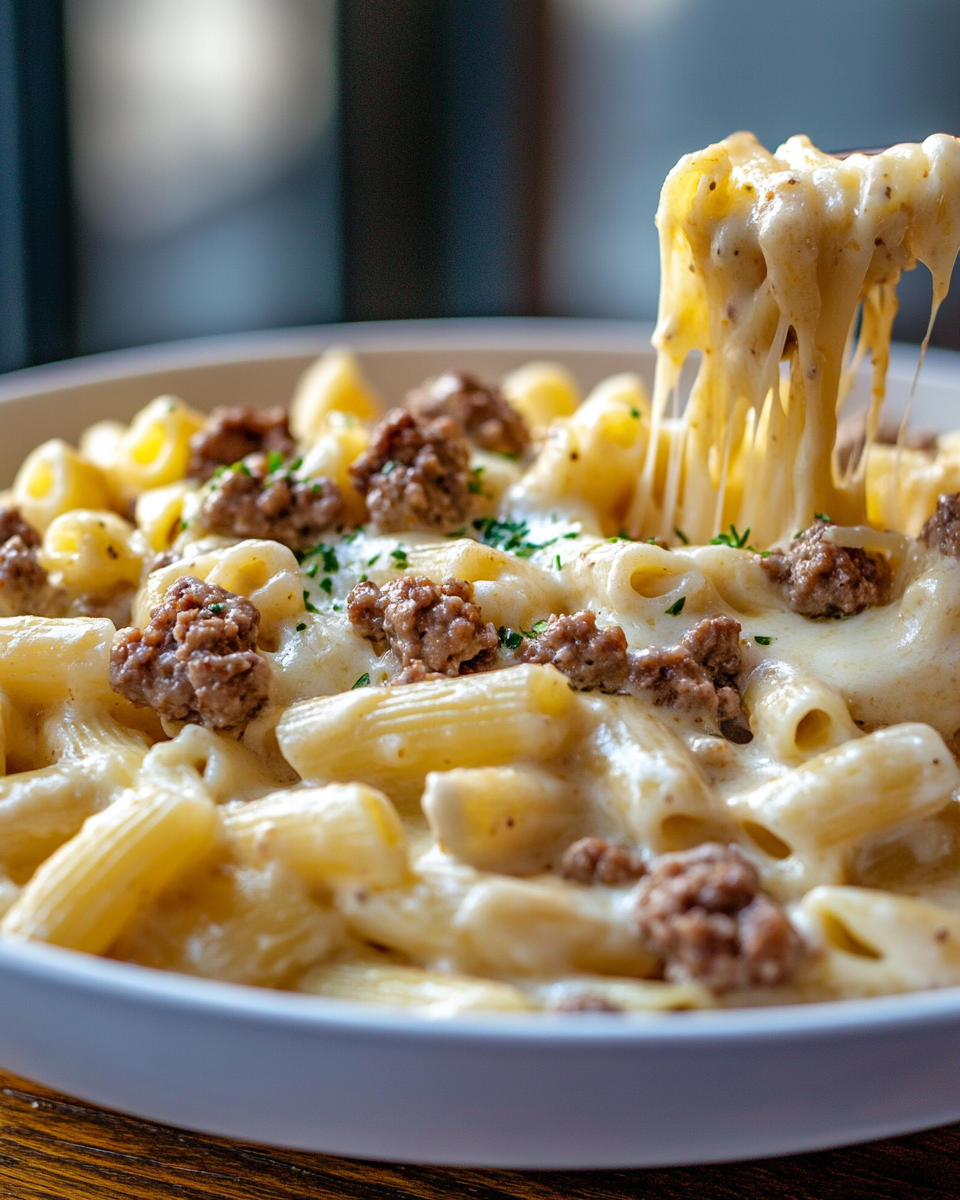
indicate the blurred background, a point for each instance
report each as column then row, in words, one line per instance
column 174, row 168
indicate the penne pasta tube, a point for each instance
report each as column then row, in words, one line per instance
column 399, row 733
column 793, row 715
column 46, row 660
column 92, row 887
column 437, row 993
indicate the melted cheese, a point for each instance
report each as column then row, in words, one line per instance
column 769, row 258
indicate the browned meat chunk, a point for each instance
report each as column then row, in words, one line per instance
column 942, row 531
column 819, row 579
column 415, row 473
column 703, row 912
column 24, row 590
column 12, row 524
column 250, row 501
column 588, row 656
column 595, row 860
column 699, row 673
column 478, row 408
column 230, row 434
column 432, row 630
column 196, row 660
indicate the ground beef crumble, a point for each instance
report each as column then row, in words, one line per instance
column 942, row 531
column 433, row 630
column 698, row 674
column 196, row 660
column 415, row 473
column 230, row 434
column 24, row 590
column 478, row 408
column 595, row 860
column 820, row 579
column 703, row 912
column 588, row 656
column 250, row 501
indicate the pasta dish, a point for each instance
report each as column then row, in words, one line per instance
column 497, row 698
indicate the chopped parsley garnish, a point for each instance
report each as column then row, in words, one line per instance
column 474, row 486
column 762, row 639
column 618, row 538
column 824, row 517
column 399, row 556
column 572, row 534
column 371, row 561
column 242, row 468
column 338, row 607
column 274, row 461
column 363, row 578
column 557, row 563
column 311, row 608
column 183, row 526
column 737, row 541
column 327, row 585
column 363, row 681
column 540, row 626
column 511, row 638
column 676, row 608
column 387, row 467
column 510, row 536
column 457, row 533
column 352, row 536
column 652, row 541
column 635, row 412
column 216, row 608
column 329, row 556
column 301, row 627
column 681, row 535
column 312, row 570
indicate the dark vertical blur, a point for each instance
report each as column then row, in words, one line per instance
column 440, row 111
column 36, row 252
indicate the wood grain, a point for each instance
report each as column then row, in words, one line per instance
column 54, row 1148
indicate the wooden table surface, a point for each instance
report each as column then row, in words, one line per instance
column 55, row 1148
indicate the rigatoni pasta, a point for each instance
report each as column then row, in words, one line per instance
column 499, row 701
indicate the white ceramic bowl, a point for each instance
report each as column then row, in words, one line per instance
column 523, row 1091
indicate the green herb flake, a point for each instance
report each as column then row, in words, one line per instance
column 171, row 408
column 301, row 627
column 311, row 608
column 274, row 461
column 681, row 535
column 474, row 485
column 363, row 681
column 387, row 467
column 330, row 562
column 352, row 536
column 296, row 464
column 511, row 638
column 371, row 561
column 327, row 585
column 824, row 517
column 399, row 556
column 183, row 526
column 312, row 570
column 338, row 607
column 243, row 469
column 762, row 639
column 572, row 534
column 557, row 563
column 216, row 608
column 635, row 413
column 736, row 541
column 540, row 626
column 457, row 533
column 676, row 608
column 363, row 578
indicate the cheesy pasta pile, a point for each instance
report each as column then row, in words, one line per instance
column 502, row 699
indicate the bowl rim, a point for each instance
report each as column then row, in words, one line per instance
column 80, row 972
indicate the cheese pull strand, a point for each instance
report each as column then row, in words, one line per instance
column 769, row 259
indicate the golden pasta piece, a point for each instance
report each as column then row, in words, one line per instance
column 397, row 733
column 331, row 384
column 92, row 887
column 509, row 819
column 242, row 924
column 340, row 439
column 155, row 450
column 437, row 993
column 541, row 392
column 45, row 660
column 54, row 479
column 795, row 716
column 229, row 770
column 159, row 513
column 93, row 552
column 343, row 835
